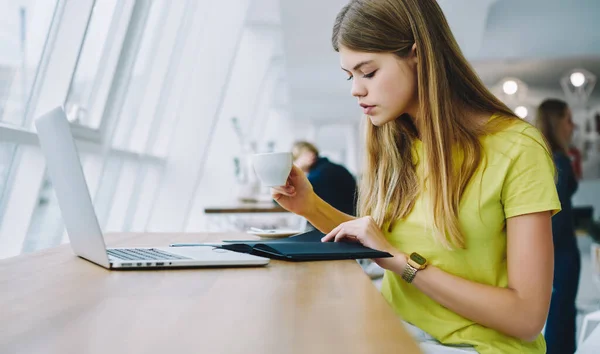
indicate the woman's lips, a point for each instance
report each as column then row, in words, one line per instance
column 367, row 109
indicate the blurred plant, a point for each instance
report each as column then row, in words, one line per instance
column 238, row 169
column 238, row 130
column 248, row 147
column 243, row 167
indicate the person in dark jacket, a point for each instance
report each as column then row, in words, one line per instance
column 555, row 122
column 331, row 182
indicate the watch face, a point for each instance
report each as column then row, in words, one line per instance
column 418, row 258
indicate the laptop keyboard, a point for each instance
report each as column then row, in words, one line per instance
column 141, row 254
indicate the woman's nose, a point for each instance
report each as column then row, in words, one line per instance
column 358, row 90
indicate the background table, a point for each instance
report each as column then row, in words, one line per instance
column 238, row 216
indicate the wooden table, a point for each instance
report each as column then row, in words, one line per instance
column 241, row 216
column 54, row 302
column 246, row 208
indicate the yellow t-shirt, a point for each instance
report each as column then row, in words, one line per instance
column 518, row 179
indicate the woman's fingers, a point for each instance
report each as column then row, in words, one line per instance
column 340, row 236
column 295, row 171
column 288, row 191
column 331, row 235
column 344, row 236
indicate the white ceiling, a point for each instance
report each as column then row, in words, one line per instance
column 541, row 29
column 536, row 41
column 540, row 74
column 318, row 89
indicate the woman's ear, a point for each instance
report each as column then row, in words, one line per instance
column 413, row 52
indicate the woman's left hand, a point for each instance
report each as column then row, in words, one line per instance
column 365, row 231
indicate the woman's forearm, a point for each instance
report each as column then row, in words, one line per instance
column 325, row 217
column 502, row 309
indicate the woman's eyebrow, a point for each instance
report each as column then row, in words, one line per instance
column 359, row 65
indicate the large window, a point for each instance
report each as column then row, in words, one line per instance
column 24, row 29
column 83, row 102
column 146, row 77
column 149, row 89
column 97, row 65
column 7, row 154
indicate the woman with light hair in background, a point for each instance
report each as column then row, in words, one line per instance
column 455, row 186
column 555, row 120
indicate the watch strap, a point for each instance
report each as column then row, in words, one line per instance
column 409, row 273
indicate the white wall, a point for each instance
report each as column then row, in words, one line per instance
column 201, row 84
column 588, row 194
column 249, row 99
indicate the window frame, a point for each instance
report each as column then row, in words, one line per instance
column 50, row 89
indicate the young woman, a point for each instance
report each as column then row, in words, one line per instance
column 555, row 121
column 455, row 186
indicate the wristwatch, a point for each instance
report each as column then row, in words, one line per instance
column 415, row 263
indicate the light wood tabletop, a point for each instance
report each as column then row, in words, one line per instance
column 246, row 208
column 54, row 302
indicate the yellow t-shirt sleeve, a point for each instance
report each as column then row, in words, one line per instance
column 529, row 185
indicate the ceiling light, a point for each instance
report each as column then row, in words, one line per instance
column 577, row 79
column 510, row 87
column 578, row 85
column 521, row 112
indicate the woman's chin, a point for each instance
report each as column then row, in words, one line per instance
column 379, row 120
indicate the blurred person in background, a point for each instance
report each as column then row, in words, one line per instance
column 555, row 121
column 330, row 181
column 576, row 161
column 457, row 188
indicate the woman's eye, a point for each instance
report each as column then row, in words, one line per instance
column 370, row 75
column 350, row 78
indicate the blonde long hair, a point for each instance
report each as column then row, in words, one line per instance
column 447, row 88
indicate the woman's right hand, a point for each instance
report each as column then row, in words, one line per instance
column 297, row 195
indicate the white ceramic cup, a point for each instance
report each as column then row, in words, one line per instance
column 273, row 168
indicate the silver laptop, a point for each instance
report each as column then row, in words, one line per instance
column 87, row 241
